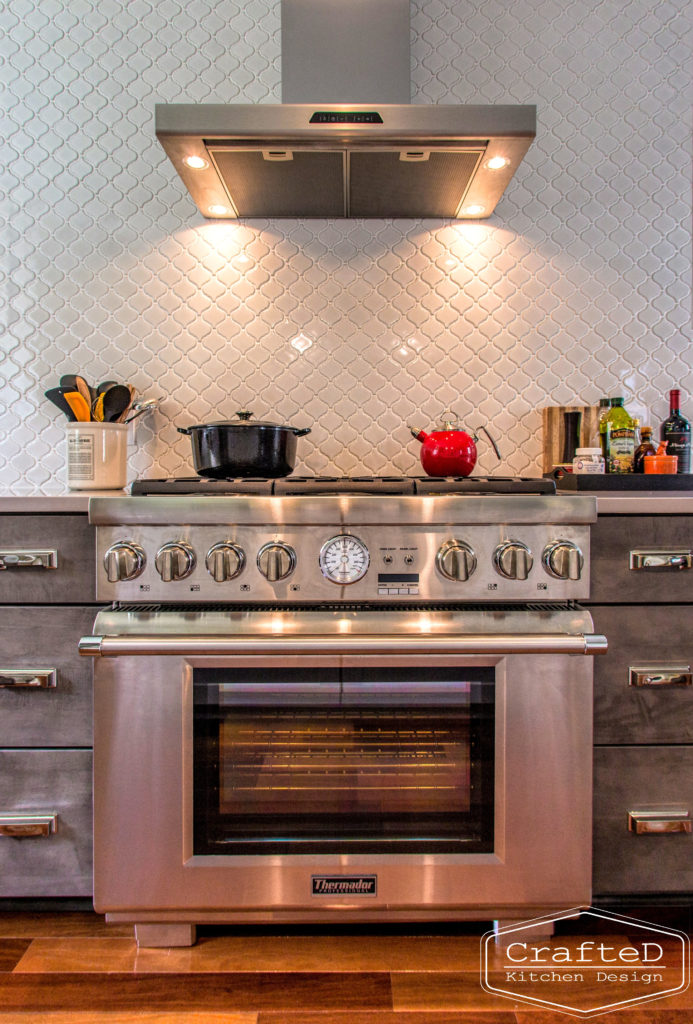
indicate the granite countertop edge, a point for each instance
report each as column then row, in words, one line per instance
column 641, row 503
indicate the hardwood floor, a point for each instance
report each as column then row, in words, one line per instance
column 72, row 968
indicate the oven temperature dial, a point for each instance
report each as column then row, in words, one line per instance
column 124, row 560
column 276, row 561
column 563, row 560
column 513, row 560
column 344, row 559
column 224, row 562
column 175, row 561
column 456, row 561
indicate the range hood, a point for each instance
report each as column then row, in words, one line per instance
column 345, row 142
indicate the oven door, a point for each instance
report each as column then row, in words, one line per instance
column 353, row 756
column 351, row 777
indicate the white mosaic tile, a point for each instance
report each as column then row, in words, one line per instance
column 578, row 286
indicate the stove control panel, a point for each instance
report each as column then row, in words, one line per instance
column 295, row 564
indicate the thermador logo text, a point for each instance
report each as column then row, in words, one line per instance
column 344, row 885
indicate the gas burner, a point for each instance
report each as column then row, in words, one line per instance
column 378, row 485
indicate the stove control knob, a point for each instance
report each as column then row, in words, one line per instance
column 124, row 560
column 224, row 562
column 175, row 561
column 563, row 560
column 276, row 561
column 456, row 561
column 513, row 560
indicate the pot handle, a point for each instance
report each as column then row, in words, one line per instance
column 302, row 432
column 495, row 446
column 184, row 430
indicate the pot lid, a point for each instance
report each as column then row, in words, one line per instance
column 245, row 420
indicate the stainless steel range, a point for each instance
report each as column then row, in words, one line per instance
column 336, row 706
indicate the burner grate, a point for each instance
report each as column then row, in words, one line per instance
column 377, row 485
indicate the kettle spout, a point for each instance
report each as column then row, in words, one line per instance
column 420, row 435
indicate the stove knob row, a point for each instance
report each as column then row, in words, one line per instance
column 513, row 560
column 124, row 561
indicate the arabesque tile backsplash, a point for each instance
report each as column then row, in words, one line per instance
column 578, row 286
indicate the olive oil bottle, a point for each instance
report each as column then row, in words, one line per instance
column 620, row 438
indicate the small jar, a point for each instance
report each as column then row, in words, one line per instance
column 588, row 460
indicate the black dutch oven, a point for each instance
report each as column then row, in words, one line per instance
column 242, row 448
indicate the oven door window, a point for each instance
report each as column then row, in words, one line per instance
column 362, row 760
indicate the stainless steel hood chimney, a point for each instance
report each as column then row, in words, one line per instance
column 345, row 142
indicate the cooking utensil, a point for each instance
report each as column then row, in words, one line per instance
column 69, row 381
column 449, row 450
column 104, row 386
column 243, row 449
column 57, row 397
column 97, row 409
column 79, row 405
column 140, row 408
column 85, row 391
column 114, row 402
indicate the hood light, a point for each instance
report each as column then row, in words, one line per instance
column 196, row 162
column 496, row 162
column 473, row 211
column 218, row 211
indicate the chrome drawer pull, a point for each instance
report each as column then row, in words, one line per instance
column 35, row 678
column 660, row 675
column 662, row 561
column 27, row 826
column 663, row 821
column 22, row 558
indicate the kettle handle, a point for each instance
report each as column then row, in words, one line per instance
column 495, row 446
column 184, row 430
column 301, row 432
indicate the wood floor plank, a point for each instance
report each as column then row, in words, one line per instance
column 454, row 990
column 380, row 1017
column 645, row 1016
column 194, row 992
column 75, row 923
column 11, row 952
column 136, row 1017
column 69, row 955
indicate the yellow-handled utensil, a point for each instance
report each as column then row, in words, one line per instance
column 79, row 405
column 97, row 408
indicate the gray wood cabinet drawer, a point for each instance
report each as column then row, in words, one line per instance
column 34, row 637
column 39, row 781
column 612, row 540
column 74, row 579
column 630, row 778
column 646, row 635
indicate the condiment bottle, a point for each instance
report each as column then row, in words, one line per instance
column 644, row 448
column 620, row 438
column 604, row 406
column 676, row 431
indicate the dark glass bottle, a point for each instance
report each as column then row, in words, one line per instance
column 644, row 448
column 676, row 431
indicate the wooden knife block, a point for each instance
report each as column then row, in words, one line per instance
column 564, row 428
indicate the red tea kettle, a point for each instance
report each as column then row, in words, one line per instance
column 449, row 450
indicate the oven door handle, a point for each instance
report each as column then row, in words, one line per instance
column 441, row 643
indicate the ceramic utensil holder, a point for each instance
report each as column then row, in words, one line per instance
column 96, row 456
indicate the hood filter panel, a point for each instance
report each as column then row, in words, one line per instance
column 382, row 184
column 310, row 184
